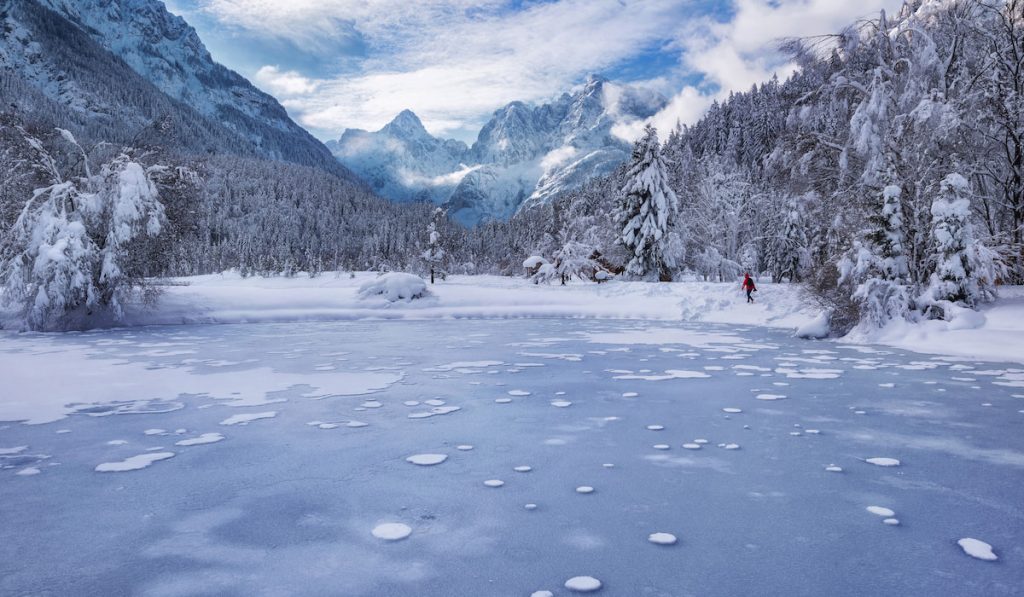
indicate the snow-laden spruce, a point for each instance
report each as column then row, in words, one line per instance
column 72, row 247
column 645, row 209
column 434, row 255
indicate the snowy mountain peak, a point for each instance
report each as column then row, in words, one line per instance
column 524, row 153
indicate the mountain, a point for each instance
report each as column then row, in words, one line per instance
column 402, row 161
column 108, row 68
column 522, row 156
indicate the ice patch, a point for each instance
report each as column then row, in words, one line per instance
column 583, row 584
column 133, row 463
column 770, row 396
column 881, row 511
column 391, row 531
column 977, row 549
column 518, row 393
column 246, row 418
column 883, row 461
column 662, row 538
column 206, row 438
column 732, row 410
column 584, row 489
column 494, row 483
column 427, row 459
column 28, row 471
column 669, row 374
column 561, row 403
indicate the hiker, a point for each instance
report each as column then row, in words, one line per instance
column 748, row 287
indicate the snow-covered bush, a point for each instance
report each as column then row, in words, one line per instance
column 71, row 250
column 394, row 287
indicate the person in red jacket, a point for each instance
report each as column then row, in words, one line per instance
column 748, row 287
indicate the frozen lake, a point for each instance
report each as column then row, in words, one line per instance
column 289, row 448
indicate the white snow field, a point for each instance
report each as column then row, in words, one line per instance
column 369, row 457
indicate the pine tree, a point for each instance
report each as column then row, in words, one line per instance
column 647, row 203
column 965, row 269
column 434, row 254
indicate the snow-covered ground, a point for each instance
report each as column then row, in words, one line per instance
column 502, row 457
column 229, row 298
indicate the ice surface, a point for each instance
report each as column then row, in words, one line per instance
column 280, row 500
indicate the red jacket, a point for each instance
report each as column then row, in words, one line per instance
column 748, row 283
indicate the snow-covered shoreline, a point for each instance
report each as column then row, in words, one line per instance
column 229, row 298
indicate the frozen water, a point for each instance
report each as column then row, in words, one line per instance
column 280, row 504
column 583, row 584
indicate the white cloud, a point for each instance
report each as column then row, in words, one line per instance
column 284, row 84
column 737, row 54
column 455, row 61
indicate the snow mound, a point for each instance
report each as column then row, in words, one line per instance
column 583, row 584
column 427, row 459
column 815, row 329
column 977, row 549
column 394, row 287
column 391, row 531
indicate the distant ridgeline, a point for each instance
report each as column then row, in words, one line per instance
column 523, row 156
column 888, row 173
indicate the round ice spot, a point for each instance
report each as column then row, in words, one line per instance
column 427, row 459
column 583, row 584
column 883, row 461
column 584, row 489
column 323, row 426
column 411, row 403
column 662, row 538
column 464, row 447
column 523, row 469
column 795, row 433
column 661, row 446
column 530, row 506
column 391, row 531
column 732, row 446
column 372, row 404
column 559, row 393
column 518, row 393
column 879, row 510
column 494, row 482
column 700, row 441
column 692, row 446
column 655, row 427
column 893, row 522
column 976, row 549
column 542, row 594
column 834, row 469
column 629, row 394
column 812, row 431
column 732, row 410
column 561, row 403
column 503, row 400
column 769, row 396
column 434, row 402
column 608, row 465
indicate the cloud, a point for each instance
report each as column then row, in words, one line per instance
column 453, row 62
column 741, row 52
column 284, row 84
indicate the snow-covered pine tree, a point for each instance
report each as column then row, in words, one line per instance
column 573, row 258
column 434, row 254
column 965, row 270
column 876, row 266
column 646, row 206
column 71, row 250
column 790, row 256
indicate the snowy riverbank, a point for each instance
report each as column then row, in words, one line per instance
column 230, row 298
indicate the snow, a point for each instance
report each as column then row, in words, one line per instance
column 583, row 584
column 246, row 418
column 206, row 438
column 391, row 531
column 662, row 538
column 977, row 548
column 133, row 463
column 881, row 511
column 883, row 461
column 427, row 459
column 494, row 483
column 394, row 287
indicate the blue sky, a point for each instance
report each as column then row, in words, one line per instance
column 337, row 64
